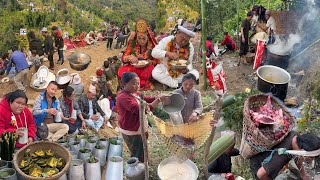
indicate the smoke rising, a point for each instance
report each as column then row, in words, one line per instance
column 285, row 46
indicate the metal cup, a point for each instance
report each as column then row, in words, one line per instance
column 24, row 138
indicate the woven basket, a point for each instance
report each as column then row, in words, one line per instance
column 45, row 145
column 255, row 140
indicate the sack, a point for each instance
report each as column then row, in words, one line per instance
column 216, row 77
column 12, row 72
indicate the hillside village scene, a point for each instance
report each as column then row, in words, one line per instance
column 160, row 89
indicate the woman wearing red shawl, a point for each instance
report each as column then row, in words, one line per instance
column 14, row 115
column 140, row 48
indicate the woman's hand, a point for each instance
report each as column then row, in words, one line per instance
column 30, row 140
column 19, row 132
column 193, row 117
column 165, row 99
column 83, row 125
column 133, row 59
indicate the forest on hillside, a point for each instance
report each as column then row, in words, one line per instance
column 76, row 16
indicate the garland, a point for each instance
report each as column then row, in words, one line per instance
column 134, row 48
column 184, row 53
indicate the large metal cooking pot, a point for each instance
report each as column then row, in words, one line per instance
column 281, row 61
column 79, row 61
column 63, row 78
column 172, row 163
column 273, row 79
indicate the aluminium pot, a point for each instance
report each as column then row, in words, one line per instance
column 8, row 174
column 92, row 170
column 115, row 168
column 101, row 154
column 63, row 78
column 76, row 170
column 273, row 79
column 279, row 60
column 79, row 61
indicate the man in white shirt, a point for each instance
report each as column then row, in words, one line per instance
column 270, row 26
column 90, row 109
column 173, row 48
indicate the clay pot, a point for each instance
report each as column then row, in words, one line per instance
column 76, row 170
column 100, row 154
column 93, row 170
column 134, row 169
column 114, row 168
column 84, row 155
column 8, row 174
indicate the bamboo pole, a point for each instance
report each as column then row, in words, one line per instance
column 216, row 108
column 203, row 41
column 143, row 135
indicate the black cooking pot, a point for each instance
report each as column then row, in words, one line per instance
column 273, row 79
column 281, row 61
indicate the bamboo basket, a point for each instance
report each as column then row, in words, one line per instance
column 45, row 145
column 255, row 140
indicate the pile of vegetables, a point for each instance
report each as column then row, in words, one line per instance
column 8, row 145
column 41, row 163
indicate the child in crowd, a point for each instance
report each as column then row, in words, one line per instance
column 77, row 86
column 116, row 63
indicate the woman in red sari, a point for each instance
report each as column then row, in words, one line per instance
column 140, row 48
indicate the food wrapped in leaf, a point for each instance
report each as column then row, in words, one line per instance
column 42, row 162
column 60, row 163
column 39, row 153
column 50, row 172
column 49, row 152
column 35, row 171
column 25, row 162
column 52, row 162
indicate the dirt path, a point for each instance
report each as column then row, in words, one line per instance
column 98, row 54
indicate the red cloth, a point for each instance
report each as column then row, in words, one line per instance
column 258, row 58
column 210, row 48
column 227, row 40
column 143, row 73
column 5, row 120
column 128, row 109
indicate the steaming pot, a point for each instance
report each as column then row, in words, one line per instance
column 279, row 60
column 273, row 79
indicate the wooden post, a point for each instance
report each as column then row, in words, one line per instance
column 143, row 135
column 216, row 108
column 203, row 41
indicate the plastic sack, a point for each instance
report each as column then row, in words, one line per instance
column 216, row 77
